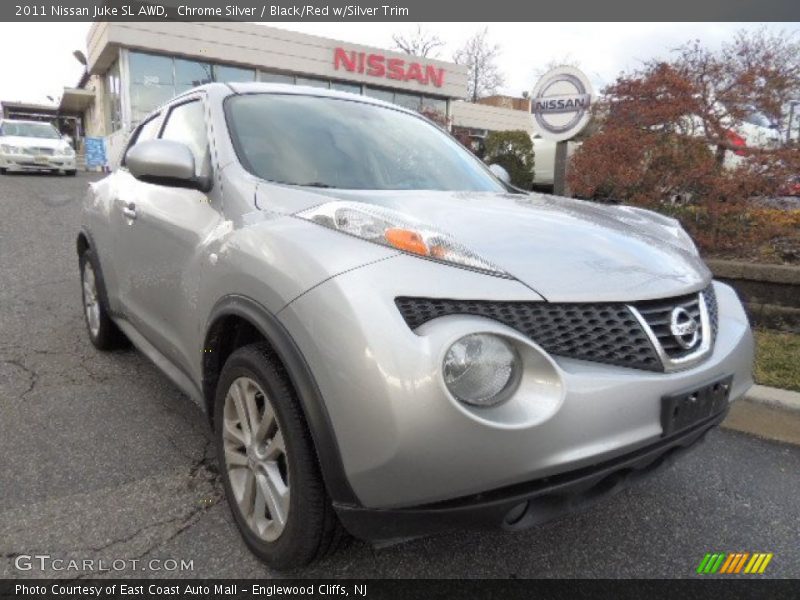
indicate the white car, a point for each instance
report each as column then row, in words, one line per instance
column 755, row 131
column 34, row 146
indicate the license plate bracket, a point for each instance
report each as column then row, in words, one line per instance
column 684, row 409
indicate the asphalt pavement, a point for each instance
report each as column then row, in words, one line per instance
column 101, row 457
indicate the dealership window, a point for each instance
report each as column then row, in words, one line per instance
column 190, row 74
column 152, row 83
column 186, row 124
column 412, row 101
column 385, row 95
column 113, row 99
column 271, row 77
column 313, row 82
column 353, row 88
column 437, row 104
column 226, row 73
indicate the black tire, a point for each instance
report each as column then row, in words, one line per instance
column 71, row 173
column 107, row 336
column 2, row 170
column 312, row 529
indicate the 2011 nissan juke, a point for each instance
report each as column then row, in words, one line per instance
column 388, row 339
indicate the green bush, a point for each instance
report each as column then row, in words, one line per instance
column 512, row 150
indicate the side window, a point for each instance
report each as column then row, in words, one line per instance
column 146, row 131
column 186, row 124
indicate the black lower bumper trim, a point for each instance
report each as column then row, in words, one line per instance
column 527, row 504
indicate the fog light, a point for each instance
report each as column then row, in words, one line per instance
column 481, row 369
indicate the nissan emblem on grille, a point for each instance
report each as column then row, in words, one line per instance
column 684, row 328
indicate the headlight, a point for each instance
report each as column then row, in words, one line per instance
column 8, row 149
column 68, row 151
column 393, row 229
column 481, row 369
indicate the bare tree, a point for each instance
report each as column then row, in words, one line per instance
column 480, row 58
column 418, row 43
column 566, row 60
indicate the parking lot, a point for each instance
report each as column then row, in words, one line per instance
column 103, row 458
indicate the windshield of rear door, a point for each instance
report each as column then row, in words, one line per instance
column 338, row 143
column 32, row 130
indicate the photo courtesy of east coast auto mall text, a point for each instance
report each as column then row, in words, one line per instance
column 399, row 301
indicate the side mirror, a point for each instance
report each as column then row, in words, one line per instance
column 164, row 162
column 500, row 173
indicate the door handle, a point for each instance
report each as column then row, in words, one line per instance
column 129, row 211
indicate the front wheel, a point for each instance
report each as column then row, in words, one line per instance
column 268, row 463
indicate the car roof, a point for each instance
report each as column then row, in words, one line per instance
column 257, row 87
column 222, row 90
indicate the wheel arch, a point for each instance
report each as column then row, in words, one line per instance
column 84, row 242
column 246, row 313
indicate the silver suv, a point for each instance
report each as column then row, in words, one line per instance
column 389, row 340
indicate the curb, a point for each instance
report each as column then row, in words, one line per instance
column 785, row 399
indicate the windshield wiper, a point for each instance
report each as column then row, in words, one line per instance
column 316, row 184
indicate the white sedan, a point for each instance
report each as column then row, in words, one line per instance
column 34, row 146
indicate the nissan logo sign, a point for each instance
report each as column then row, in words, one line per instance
column 560, row 103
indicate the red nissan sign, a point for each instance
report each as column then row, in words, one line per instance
column 377, row 65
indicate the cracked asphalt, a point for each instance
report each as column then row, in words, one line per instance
column 103, row 458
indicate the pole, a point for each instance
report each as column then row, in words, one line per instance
column 560, row 187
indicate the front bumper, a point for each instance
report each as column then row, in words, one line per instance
column 527, row 504
column 406, row 442
column 30, row 163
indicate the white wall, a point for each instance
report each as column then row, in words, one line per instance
column 493, row 118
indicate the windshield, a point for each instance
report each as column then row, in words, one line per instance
column 31, row 130
column 330, row 142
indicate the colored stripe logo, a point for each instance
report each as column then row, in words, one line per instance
column 734, row 563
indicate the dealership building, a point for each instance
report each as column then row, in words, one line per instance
column 132, row 68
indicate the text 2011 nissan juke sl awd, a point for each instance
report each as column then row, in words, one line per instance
column 388, row 339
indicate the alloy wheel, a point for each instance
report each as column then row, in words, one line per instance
column 91, row 302
column 255, row 459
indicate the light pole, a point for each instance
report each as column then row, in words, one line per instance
column 792, row 104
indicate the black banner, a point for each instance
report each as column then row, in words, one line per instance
column 103, row 589
column 399, row 11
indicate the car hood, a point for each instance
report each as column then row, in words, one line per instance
column 31, row 142
column 566, row 250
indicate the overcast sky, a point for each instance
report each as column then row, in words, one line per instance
column 37, row 58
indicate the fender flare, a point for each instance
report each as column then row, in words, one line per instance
column 311, row 401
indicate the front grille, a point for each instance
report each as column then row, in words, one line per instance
column 606, row 333
column 713, row 313
column 657, row 313
column 40, row 151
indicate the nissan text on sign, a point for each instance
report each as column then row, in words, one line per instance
column 377, row 65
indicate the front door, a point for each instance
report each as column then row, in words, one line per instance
column 168, row 231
